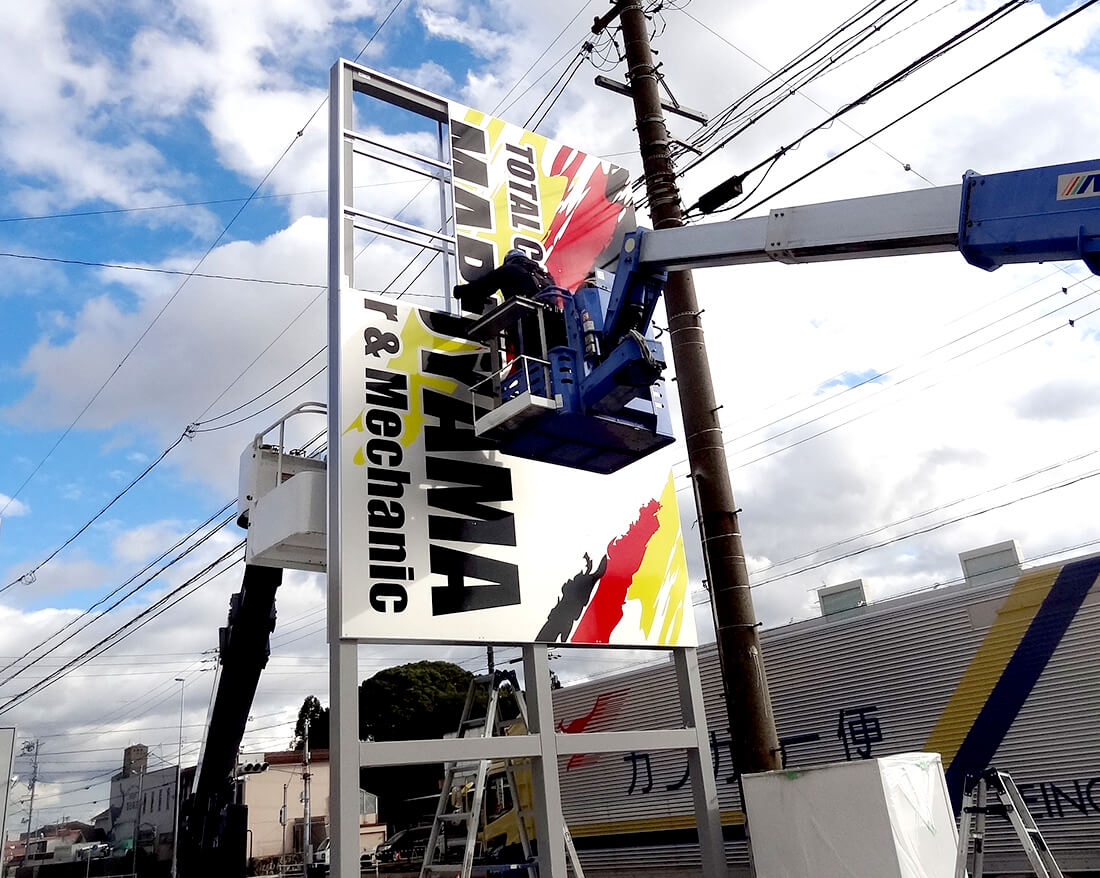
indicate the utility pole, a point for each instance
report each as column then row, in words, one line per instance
column 282, row 824
column 752, row 725
column 137, row 819
column 29, row 747
column 179, row 794
column 307, row 842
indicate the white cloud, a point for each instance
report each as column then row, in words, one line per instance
column 468, row 30
column 13, row 507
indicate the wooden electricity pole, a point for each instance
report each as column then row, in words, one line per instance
column 752, row 726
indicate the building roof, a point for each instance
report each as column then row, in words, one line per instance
column 294, row 757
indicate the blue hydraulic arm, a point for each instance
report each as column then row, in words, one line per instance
column 1038, row 215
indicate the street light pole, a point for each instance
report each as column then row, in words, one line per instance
column 179, row 778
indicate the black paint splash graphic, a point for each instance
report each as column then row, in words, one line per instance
column 575, row 593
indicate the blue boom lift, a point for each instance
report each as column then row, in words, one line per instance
column 577, row 378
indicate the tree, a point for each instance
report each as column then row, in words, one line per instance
column 415, row 701
column 421, row 700
column 318, row 725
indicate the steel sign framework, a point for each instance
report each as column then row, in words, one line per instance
column 432, row 535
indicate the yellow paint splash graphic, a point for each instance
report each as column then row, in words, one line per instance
column 415, row 338
column 661, row 582
column 551, row 188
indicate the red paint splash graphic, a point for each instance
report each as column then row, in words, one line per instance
column 607, row 706
column 578, row 235
column 624, row 557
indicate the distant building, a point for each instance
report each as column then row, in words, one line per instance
column 143, row 805
column 48, row 843
column 264, row 792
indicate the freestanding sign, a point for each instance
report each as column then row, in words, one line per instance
column 444, row 540
column 433, row 536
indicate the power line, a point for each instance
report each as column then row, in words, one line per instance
column 930, row 528
column 905, row 165
column 862, row 415
column 144, row 617
column 789, row 79
column 270, row 405
column 541, row 55
column 567, row 75
column 113, row 606
column 188, row 275
column 704, row 596
column 150, row 270
column 922, row 105
column 884, row 373
column 263, row 393
column 79, row 214
column 157, row 608
column 29, row 576
column 927, row 58
column 926, row 512
column 879, row 374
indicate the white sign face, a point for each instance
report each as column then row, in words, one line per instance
column 443, row 539
column 7, row 754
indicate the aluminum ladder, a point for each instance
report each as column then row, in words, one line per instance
column 1010, row 805
column 488, row 725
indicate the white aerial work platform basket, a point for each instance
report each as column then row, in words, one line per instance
column 282, row 501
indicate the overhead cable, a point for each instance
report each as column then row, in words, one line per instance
column 1056, row 23
column 188, row 275
column 927, row 58
column 144, row 617
column 29, row 576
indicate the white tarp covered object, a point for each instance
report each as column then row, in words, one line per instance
column 873, row 818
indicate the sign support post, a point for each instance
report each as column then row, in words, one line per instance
column 343, row 654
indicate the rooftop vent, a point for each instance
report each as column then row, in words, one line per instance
column 993, row 563
column 838, row 598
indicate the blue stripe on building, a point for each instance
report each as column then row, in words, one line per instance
column 1021, row 673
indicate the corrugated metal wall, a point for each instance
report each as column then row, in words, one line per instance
column 890, row 667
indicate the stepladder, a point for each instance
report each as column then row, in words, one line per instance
column 994, row 793
column 483, row 813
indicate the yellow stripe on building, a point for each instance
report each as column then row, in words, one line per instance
column 647, row 824
column 972, row 692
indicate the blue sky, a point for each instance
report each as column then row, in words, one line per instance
column 126, row 106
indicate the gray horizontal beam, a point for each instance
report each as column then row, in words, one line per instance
column 897, row 224
column 372, row 753
column 737, row 242
column 393, row 91
column 623, row 742
column 447, row 750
